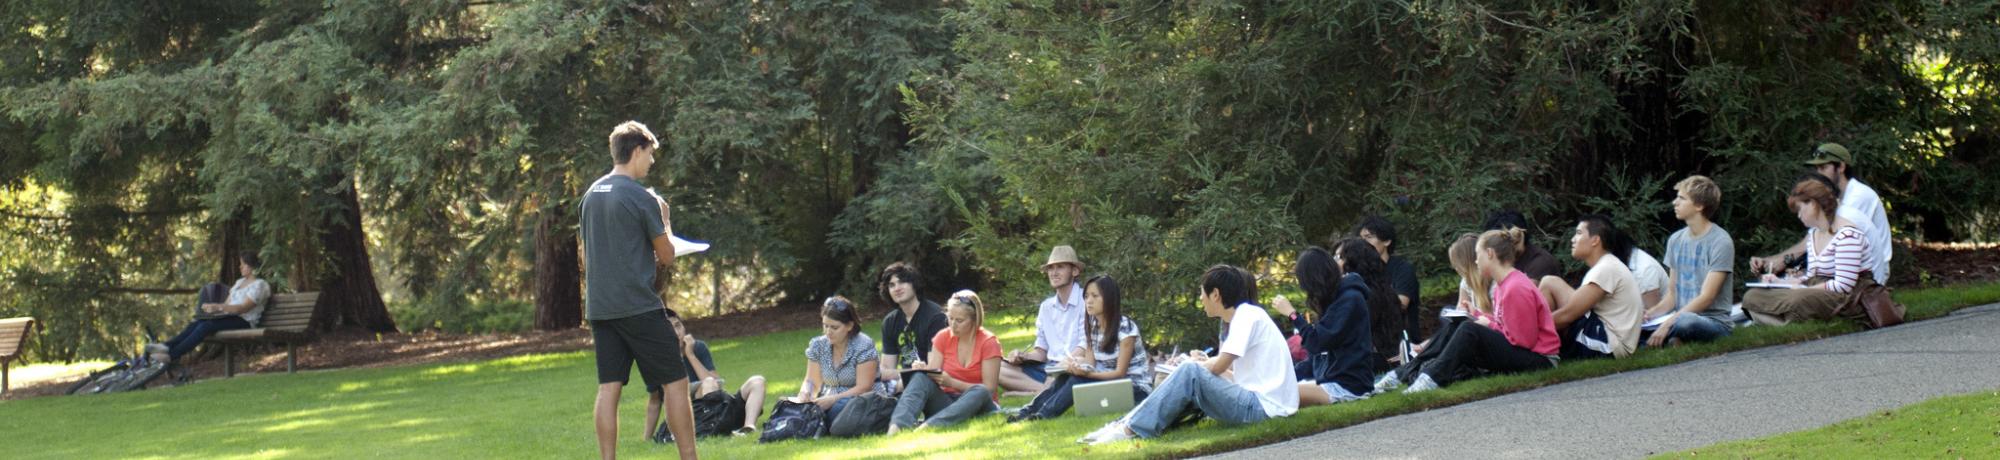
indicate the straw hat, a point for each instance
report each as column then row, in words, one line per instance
column 1063, row 255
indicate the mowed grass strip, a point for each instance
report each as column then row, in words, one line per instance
column 1963, row 426
column 538, row 406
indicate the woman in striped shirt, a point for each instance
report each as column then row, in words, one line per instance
column 1837, row 262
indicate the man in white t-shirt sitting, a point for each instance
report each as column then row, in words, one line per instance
column 1858, row 203
column 1260, row 384
column 1601, row 317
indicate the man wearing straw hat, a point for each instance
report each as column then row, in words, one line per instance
column 1058, row 326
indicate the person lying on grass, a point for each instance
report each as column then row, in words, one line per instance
column 1112, row 350
column 748, row 400
column 1249, row 380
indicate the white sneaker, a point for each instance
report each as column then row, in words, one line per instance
column 1111, row 433
column 156, row 348
column 1387, row 383
column 1108, row 430
column 1422, row 384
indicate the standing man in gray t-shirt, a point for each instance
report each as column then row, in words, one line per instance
column 625, row 239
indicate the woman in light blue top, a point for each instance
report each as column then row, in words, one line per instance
column 837, row 359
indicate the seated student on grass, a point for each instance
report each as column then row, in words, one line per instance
column 1259, row 384
column 1381, row 234
column 841, row 362
column 749, row 398
column 968, row 358
column 1518, row 337
column 1650, row 276
column 1474, row 301
column 1601, row 317
column 1112, row 350
column 1838, row 266
column 1534, row 262
column 1385, row 316
column 910, row 324
column 1338, row 342
column 1700, row 270
column 1058, row 326
column 241, row 311
column 1858, row 204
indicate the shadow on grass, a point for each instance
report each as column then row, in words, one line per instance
column 538, row 406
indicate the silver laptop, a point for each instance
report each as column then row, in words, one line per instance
column 1107, row 397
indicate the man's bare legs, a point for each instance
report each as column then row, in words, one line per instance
column 606, row 414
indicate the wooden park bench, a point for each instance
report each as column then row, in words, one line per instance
column 14, row 333
column 285, row 321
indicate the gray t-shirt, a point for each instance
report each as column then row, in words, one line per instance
column 619, row 220
column 1691, row 258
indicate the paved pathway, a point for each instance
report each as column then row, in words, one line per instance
column 1747, row 394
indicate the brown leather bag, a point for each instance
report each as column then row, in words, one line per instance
column 1873, row 299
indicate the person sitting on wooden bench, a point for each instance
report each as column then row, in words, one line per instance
column 241, row 311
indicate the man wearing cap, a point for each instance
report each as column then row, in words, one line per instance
column 1058, row 325
column 1858, row 203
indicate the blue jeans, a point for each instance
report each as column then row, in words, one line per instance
column 1060, row 395
column 1690, row 327
column 1192, row 387
column 1037, row 372
column 939, row 409
column 200, row 330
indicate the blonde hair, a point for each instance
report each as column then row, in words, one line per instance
column 1507, row 245
column 1463, row 255
column 1703, row 192
column 968, row 299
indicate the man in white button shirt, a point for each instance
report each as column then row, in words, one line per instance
column 1858, row 203
column 1058, row 326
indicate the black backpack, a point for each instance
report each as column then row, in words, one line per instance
column 794, row 420
column 717, row 413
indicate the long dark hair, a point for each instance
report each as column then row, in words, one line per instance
column 1319, row 276
column 1359, row 257
column 1108, row 320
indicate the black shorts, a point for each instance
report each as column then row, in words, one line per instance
column 645, row 338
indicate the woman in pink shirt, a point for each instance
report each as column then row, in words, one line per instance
column 957, row 382
column 1519, row 336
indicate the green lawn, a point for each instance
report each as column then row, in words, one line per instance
column 538, row 406
column 1964, row 426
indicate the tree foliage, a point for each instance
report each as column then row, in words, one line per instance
column 815, row 141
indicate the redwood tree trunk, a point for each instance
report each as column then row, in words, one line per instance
column 558, row 283
column 348, row 296
column 234, row 230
